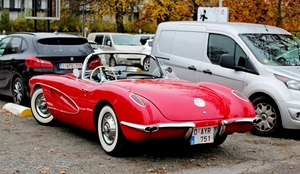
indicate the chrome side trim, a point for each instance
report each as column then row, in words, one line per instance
column 154, row 128
column 242, row 120
column 53, row 108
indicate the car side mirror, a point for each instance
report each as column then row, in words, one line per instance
column 227, row 61
column 109, row 43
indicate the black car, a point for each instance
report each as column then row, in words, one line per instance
column 24, row 55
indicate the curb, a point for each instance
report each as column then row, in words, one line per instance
column 20, row 111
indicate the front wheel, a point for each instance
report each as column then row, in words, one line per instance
column 110, row 134
column 39, row 108
column 268, row 121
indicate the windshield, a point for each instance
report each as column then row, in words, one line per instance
column 126, row 40
column 274, row 49
column 92, row 66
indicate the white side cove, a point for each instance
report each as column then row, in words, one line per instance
column 20, row 111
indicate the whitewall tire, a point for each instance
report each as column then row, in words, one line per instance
column 39, row 108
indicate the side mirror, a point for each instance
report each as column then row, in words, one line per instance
column 227, row 61
column 109, row 43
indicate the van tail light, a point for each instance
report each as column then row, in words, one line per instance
column 95, row 63
column 34, row 62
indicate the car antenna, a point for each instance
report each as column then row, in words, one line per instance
column 266, row 28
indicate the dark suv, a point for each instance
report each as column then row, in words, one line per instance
column 24, row 55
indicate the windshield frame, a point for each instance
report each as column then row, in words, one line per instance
column 154, row 61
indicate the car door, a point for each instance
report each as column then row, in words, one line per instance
column 69, row 98
column 9, row 63
column 211, row 70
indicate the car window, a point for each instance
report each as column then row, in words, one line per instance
column 106, row 39
column 126, row 40
column 99, row 39
column 24, row 46
column 13, row 46
column 150, row 43
column 3, row 44
column 64, row 46
column 220, row 44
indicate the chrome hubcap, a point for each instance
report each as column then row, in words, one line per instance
column 108, row 128
column 267, row 116
column 147, row 64
column 17, row 92
column 41, row 106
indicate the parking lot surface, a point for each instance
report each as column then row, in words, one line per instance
column 27, row 147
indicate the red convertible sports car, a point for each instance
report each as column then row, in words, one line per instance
column 125, row 104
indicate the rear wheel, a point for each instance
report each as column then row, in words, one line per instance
column 146, row 64
column 39, row 108
column 18, row 91
column 268, row 121
column 110, row 134
column 112, row 62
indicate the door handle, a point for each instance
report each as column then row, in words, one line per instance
column 192, row 67
column 207, row 71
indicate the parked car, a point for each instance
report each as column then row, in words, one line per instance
column 118, row 42
column 2, row 36
column 24, row 55
column 145, row 61
column 144, row 37
column 95, row 47
column 260, row 61
column 124, row 104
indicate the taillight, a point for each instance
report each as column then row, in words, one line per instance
column 95, row 63
column 33, row 62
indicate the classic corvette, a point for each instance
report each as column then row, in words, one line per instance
column 124, row 104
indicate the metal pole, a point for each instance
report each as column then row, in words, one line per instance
column 220, row 3
column 83, row 8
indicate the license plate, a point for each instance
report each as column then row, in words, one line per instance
column 70, row 65
column 202, row 135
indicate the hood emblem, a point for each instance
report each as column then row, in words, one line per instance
column 199, row 102
column 72, row 59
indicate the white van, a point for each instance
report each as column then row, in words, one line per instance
column 261, row 61
column 118, row 42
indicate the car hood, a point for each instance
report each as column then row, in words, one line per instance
column 177, row 100
column 292, row 72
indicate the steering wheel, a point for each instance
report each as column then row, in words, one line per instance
column 104, row 74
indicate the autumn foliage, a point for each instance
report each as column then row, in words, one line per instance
column 117, row 15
